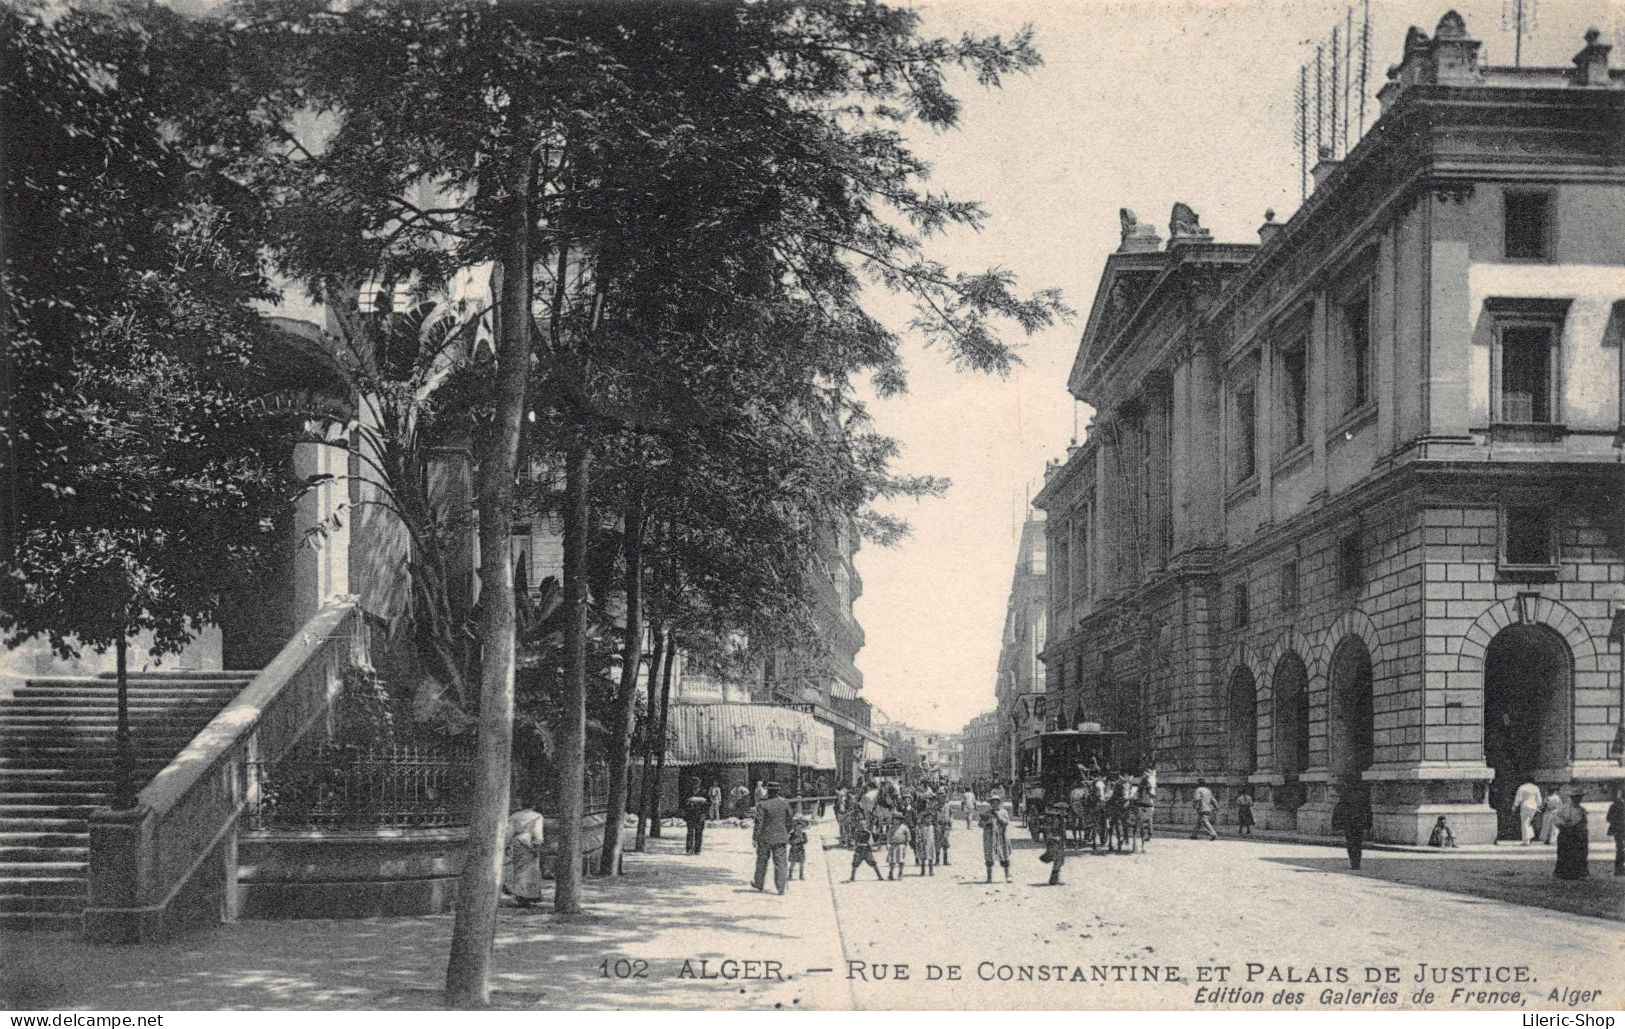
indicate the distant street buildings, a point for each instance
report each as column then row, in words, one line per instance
column 1349, row 516
column 1020, row 689
column 980, row 741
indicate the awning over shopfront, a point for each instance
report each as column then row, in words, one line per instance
column 750, row 733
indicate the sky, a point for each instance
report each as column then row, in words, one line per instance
column 1139, row 105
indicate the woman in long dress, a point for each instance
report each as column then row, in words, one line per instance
column 995, row 823
column 522, row 857
column 1573, row 840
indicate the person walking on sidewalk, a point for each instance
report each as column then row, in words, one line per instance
column 996, row 836
column 1244, row 814
column 1551, row 817
column 1616, row 828
column 695, row 808
column 1206, row 806
column 798, row 848
column 1573, row 840
column 771, row 834
column 1526, row 804
column 1348, row 815
column 522, row 856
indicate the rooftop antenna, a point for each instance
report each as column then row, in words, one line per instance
column 1365, row 56
column 1300, row 129
column 1518, row 17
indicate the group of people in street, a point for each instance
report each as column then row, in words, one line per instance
column 903, row 820
column 1551, row 818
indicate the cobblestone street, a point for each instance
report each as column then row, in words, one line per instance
column 1184, row 903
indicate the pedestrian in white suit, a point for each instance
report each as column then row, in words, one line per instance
column 1526, row 802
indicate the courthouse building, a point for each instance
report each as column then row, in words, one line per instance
column 1350, row 513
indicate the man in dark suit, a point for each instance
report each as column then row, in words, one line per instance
column 771, row 834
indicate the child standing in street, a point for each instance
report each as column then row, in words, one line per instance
column 798, row 848
column 925, row 841
column 897, row 853
column 862, row 835
column 945, row 824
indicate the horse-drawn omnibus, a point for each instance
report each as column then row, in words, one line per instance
column 1054, row 765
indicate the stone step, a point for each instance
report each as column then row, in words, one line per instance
column 70, row 759
column 185, row 675
column 42, row 870
column 41, row 921
column 47, row 810
column 99, row 688
column 44, row 839
column 33, row 886
column 11, row 855
column 43, row 824
column 75, row 706
column 23, row 903
column 13, row 797
column 55, row 787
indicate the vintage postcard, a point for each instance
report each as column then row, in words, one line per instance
column 838, row 505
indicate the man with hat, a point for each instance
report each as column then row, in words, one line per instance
column 771, row 834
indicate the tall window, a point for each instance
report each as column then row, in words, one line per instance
column 1244, row 423
column 1350, row 562
column 1294, row 390
column 1289, row 586
column 1081, row 540
column 1526, row 373
column 1528, row 223
column 1354, row 317
column 1240, row 607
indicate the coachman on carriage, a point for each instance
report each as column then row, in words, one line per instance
column 1072, row 785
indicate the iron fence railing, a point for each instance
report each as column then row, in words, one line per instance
column 334, row 787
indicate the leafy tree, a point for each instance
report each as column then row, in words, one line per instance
column 144, row 483
column 705, row 191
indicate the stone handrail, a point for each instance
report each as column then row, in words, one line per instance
column 171, row 860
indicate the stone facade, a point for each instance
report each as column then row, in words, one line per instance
column 979, row 739
column 1349, row 517
column 1020, row 687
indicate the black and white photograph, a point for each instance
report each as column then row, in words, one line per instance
column 824, row 505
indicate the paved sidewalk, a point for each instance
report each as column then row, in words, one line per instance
column 668, row 909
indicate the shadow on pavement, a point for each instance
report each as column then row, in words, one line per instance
column 1513, row 880
column 400, row 962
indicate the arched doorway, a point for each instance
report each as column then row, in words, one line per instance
column 1528, row 686
column 1352, row 737
column 1290, row 686
column 1241, row 750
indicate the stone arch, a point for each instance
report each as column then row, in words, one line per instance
column 1241, row 690
column 1353, row 622
column 1541, row 611
column 1292, row 642
column 1289, row 704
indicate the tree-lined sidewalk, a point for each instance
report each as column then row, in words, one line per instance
column 669, row 908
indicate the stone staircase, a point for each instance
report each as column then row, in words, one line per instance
column 57, row 754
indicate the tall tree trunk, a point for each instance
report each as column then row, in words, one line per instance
column 572, row 740
column 468, row 972
column 660, row 733
column 657, row 661
column 620, row 756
